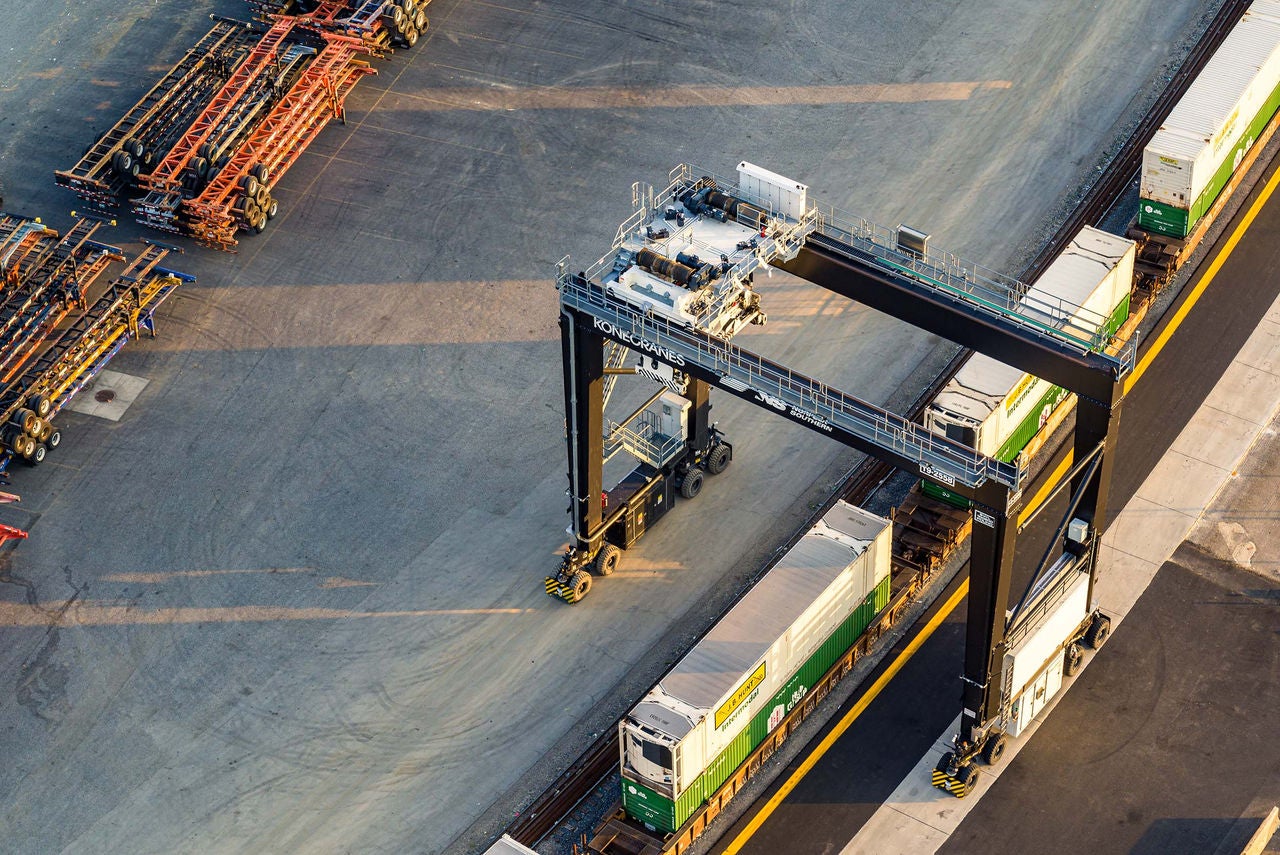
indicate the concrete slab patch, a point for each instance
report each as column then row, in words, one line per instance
column 1241, row 389
column 1148, row 530
column 1121, row 580
column 1186, row 484
column 109, row 395
column 1216, row 437
column 1262, row 350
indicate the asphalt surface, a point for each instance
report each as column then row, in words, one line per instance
column 293, row 600
column 1171, row 741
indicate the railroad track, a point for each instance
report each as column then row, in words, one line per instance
column 595, row 764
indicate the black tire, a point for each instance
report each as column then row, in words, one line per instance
column 1098, row 632
column 580, row 584
column 38, row 454
column 15, row 440
column 28, row 447
column 260, row 172
column 201, row 166
column 260, row 224
column 1071, row 660
column 409, row 36
column 993, row 748
column 41, row 405
column 272, row 209
column 54, row 440
column 968, row 776
column 691, row 486
column 420, row 21
column 25, row 419
column 719, row 458
column 945, row 763
column 250, row 185
column 607, row 560
column 134, row 147
column 42, row 430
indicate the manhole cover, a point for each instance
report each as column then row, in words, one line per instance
column 103, row 396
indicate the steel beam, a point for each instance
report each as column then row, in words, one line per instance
column 583, row 359
column 821, row 260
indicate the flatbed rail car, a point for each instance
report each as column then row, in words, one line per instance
column 381, row 24
column 147, row 132
column 77, row 353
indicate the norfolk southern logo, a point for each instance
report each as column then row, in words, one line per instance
column 810, row 419
column 733, row 384
column 635, row 341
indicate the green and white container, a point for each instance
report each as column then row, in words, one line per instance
column 692, row 730
column 996, row 408
column 1197, row 149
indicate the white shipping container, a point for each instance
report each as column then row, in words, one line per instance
column 706, row 699
column 1215, row 113
column 1091, row 276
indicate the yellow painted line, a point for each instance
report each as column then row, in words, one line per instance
column 865, row 701
column 1203, row 284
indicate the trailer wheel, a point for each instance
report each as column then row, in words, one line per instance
column 580, row 584
column 38, row 454
column 691, row 486
column 41, row 405
column 420, row 21
column 54, row 440
column 607, row 559
column 718, row 459
column 994, row 747
column 250, row 185
column 967, row 775
column 15, row 440
column 272, row 209
column 28, row 447
column 25, row 419
column 1072, row 659
column 410, row 36
column 1098, row 631
column 261, row 172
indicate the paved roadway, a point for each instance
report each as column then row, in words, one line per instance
column 292, row 602
column 1167, row 740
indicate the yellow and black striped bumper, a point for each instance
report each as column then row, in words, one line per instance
column 561, row 590
column 943, row 781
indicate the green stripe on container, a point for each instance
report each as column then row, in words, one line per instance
column 647, row 809
column 1176, row 222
